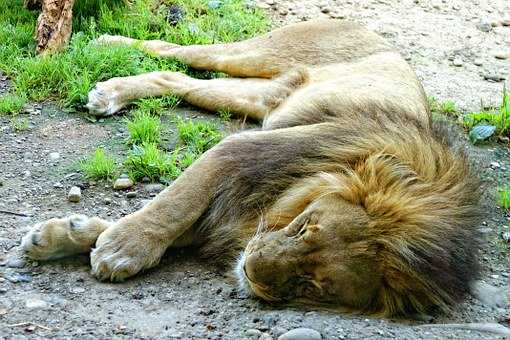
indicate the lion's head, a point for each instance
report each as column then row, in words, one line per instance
column 390, row 235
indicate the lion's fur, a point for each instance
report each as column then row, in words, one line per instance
column 413, row 181
column 344, row 117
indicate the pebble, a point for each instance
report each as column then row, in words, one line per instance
column 457, row 62
column 123, row 183
column 107, row 200
column 74, row 194
column 301, row 334
column 265, row 336
column 36, row 304
column 78, row 290
column 478, row 62
column 485, row 26
column 495, row 165
column 502, row 55
column 263, row 5
column 506, row 236
column 54, row 156
column 154, row 188
column 131, row 194
column 14, row 262
column 15, row 277
column 505, row 21
column 493, row 77
column 252, row 333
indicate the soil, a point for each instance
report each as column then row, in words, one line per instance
column 187, row 298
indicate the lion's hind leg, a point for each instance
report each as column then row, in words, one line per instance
column 61, row 237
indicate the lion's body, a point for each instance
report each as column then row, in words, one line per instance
column 354, row 197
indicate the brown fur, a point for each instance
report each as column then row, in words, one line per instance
column 348, row 196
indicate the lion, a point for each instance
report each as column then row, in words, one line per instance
column 348, row 196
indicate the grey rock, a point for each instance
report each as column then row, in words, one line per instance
column 502, row 55
column 123, row 183
column 36, row 304
column 252, row 333
column 54, row 156
column 154, row 188
column 16, row 278
column 489, row 295
column 478, row 62
column 505, row 21
column 131, row 194
column 484, row 26
column 458, row 62
column 301, row 334
column 506, row 236
column 265, row 336
column 15, row 262
column 74, row 194
column 493, row 77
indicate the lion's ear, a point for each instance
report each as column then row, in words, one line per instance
column 78, row 221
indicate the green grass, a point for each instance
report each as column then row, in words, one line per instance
column 149, row 161
column 144, row 128
column 197, row 136
column 504, row 197
column 447, row 107
column 499, row 118
column 67, row 77
column 11, row 104
column 99, row 166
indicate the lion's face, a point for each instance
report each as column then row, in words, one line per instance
column 319, row 257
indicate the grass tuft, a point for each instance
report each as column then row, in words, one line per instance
column 498, row 118
column 504, row 197
column 99, row 166
column 198, row 136
column 11, row 104
column 148, row 161
column 144, row 128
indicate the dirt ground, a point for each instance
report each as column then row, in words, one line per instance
column 188, row 299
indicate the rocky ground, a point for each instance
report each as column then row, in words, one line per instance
column 460, row 50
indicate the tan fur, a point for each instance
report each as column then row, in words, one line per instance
column 348, row 196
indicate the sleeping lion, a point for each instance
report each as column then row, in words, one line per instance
column 347, row 197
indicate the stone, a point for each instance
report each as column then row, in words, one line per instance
column 495, row 165
column 54, row 156
column 457, row 62
column 131, row 194
column 252, row 333
column 505, row 21
column 484, row 26
column 36, row 304
column 506, row 236
column 74, row 194
column 15, row 262
column 77, row 290
column 263, row 5
column 265, row 336
column 154, row 188
column 325, row 10
column 16, row 278
column 493, row 77
column 301, row 334
column 123, row 183
column 489, row 295
column 478, row 62
column 502, row 55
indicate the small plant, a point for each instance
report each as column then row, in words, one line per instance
column 504, row 197
column 448, row 107
column 19, row 124
column 148, row 161
column 144, row 128
column 11, row 104
column 225, row 115
column 156, row 106
column 485, row 124
column 99, row 166
column 198, row 137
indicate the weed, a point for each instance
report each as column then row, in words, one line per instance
column 11, row 104
column 156, row 106
column 144, row 128
column 225, row 115
column 448, row 107
column 99, row 166
column 148, row 161
column 504, row 197
column 198, row 137
column 19, row 124
column 497, row 120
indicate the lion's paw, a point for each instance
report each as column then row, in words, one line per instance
column 61, row 237
column 121, row 253
column 104, row 99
